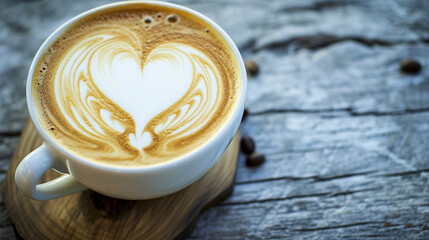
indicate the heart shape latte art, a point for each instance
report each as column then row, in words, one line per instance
column 132, row 102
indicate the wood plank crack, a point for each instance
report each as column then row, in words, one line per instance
column 415, row 172
column 315, row 178
column 317, row 6
column 349, row 111
column 318, row 41
column 336, row 226
column 10, row 133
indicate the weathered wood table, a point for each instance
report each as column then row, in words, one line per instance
column 345, row 133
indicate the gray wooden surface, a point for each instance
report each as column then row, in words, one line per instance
column 345, row 134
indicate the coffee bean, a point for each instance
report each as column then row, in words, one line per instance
column 410, row 66
column 247, row 145
column 255, row 159
column 245, row 113
column 252, row 68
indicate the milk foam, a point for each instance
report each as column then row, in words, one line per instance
column 121, row 90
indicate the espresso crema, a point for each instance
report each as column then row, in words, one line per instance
column 136, row 85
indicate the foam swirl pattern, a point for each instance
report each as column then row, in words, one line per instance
column 126, row 94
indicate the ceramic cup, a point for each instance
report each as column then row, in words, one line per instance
column 134, row 183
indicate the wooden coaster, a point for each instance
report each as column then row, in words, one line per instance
column 89, row 215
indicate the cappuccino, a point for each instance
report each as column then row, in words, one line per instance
column 136, row 85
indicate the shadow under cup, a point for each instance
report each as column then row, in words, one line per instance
column 137, row 182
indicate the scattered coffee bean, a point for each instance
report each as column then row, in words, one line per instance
column 252, row 68
column 245, row 113
column 255, row 159
column 247, row 145
column 410, row 66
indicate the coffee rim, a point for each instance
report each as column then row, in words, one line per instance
column 238, row 108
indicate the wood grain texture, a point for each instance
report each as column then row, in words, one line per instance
column 345, row 133
column 89, row 215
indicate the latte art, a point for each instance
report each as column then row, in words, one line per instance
column 133, row 87
column 110, row 70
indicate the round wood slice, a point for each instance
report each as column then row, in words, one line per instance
column 89, row 215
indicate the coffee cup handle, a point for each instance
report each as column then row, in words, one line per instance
column 31, row 169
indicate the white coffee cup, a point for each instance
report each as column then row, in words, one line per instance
column 134, row 183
